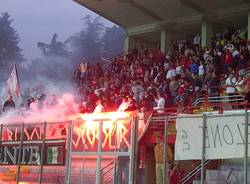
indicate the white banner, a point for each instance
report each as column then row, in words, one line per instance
column 224, row 137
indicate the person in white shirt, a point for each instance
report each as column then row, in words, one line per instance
column 160, row 103
column 171, row 73
column 197, row 40
column 201, row 70
column 230, row 82
column 99, row 107
column 178, row 69
column 124, row 105
column 239, row 84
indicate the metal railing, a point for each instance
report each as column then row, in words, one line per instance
column 106, row 171
column 194, row 172
column 205, row 95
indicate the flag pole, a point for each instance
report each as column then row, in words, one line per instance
column 17, row 76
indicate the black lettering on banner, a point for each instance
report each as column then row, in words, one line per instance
column 184, row 136
column 215, row 135
column 241, row 136
column 226, row 139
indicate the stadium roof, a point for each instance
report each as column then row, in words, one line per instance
column 166, row 13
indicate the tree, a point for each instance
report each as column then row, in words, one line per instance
column 54, row 48
column 86, row 43
column 55, row 63
column 10, row 52
column 113, row 41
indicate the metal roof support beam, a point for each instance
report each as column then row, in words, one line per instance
column 193, row 5
column 143, row 9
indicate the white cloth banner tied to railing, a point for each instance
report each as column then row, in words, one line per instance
column 224, row 137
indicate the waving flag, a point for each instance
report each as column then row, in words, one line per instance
column 12, row 88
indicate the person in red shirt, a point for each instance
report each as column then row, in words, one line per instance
column 228, row 60
column 183, row 86
column 185, row 61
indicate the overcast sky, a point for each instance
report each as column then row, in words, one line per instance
column 38, row 20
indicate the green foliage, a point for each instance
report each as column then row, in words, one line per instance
column 54, row 48
column 9, row 39
column 86, row 43
column 113, row 41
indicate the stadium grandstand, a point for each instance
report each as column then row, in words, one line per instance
column 180, row 57
column 171, row 109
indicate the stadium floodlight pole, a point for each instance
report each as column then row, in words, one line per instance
column 69, row 152
column 203, row 152
column 99, row 150
column 19, row 154
column 42, row 153
column 165, row 157
column 246, row 148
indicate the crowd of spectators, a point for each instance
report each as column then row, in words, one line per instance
column 149, row 79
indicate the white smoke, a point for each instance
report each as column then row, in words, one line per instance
column 52, row 109
column 50, row 76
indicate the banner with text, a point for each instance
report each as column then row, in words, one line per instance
column 224, row 137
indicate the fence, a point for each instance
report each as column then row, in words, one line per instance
column 98, row 148
column 214, row 137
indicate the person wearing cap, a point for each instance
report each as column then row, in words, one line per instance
column 159, row 159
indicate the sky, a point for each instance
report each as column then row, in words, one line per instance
column 37, row 21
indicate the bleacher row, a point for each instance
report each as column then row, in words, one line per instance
column 179, row 76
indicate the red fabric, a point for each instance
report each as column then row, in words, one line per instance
column 246, row 82
column 175, row 176
column 228, row 58
column 182, row 89
column 185, row 62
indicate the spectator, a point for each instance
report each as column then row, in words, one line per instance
column 241, row 65
column 230, row 83
column 9, row 104
column 171, row 72
column 124, row 105
column 159, row 159
column 228, row 60
column 160, row 108
column 214, row 84
column 193, row 67
column 99, row 107
column 131, row 104
column 173, row 87
column 201, row 69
